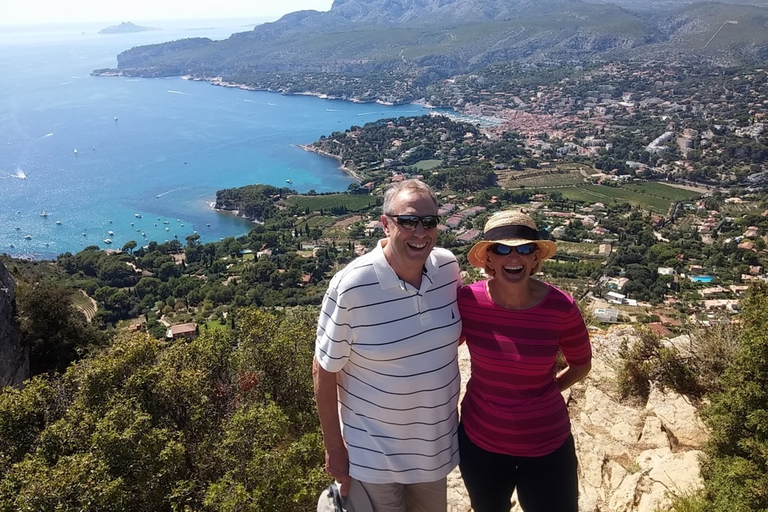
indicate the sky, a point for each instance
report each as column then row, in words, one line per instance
column 29, row 12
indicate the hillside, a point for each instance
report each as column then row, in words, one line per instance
column 426, row 40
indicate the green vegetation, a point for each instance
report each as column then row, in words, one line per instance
column 222, row 422
column 332, row 203
column 427, row 165
column 541, row 178
column 736, row 472
column 655, row 197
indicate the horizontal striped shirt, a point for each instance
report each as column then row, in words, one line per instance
column 512, row 403
column 394, row 348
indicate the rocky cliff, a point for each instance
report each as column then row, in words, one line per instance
column 14, row 359
column 445, row 37
column 632, row 458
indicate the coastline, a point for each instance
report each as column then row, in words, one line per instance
column 218, row 81
column 234, row 213
column 346, row 170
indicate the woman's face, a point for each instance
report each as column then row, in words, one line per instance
column 513, row 267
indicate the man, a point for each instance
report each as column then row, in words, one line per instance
column 386, row 370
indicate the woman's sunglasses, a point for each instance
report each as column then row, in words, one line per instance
column 505, row 250
column 411, row 221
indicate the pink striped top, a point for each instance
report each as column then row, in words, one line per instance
column 513, row 404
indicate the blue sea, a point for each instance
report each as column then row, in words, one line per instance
column 143, row 158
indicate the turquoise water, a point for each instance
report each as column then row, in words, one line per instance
column 702, row 279
column 95, row 152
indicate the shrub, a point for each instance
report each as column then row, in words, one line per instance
column 736, row 470
column 647, row 360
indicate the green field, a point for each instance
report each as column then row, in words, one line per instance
column 84, row 303
column 655, row 197
column 353, row 202
column 662, row 190
column 426, row 165
column 541, row 178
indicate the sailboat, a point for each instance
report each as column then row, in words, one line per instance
column 43, row 213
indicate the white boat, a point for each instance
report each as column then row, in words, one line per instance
column 137, row 215
column 20, row 174
column 43, row 213
column 84, row 233
column 110, row 233
column 107, row 241
column 75, row 151
column 289, row 181
column 27, row 237
column 58, row 223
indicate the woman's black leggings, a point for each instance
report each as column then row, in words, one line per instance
column 544, row 484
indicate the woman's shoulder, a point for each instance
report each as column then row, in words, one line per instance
column 558, row 296
column 473, row 289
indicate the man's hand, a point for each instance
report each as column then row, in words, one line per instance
column 336, row 455
column 337, row 465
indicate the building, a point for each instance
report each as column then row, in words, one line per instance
column 469, row 235
column 615, row 298
column 607, row 315
column 177, row 331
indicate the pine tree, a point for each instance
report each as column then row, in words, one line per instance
column 736, row 472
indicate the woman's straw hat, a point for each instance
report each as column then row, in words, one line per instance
column 513, row 228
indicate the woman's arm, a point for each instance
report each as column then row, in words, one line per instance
column 572, row 374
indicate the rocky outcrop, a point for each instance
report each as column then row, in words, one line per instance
column 632, row 458
column 14, row 359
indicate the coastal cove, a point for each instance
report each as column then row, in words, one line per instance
column 88, row 159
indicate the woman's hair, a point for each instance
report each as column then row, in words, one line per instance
column 413, row 185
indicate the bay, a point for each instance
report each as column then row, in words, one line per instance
column 143, row 158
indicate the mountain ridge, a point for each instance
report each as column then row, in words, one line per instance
column 447, row 37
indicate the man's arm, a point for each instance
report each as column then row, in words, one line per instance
column 326, row 397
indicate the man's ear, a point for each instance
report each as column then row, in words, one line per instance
column 385, row 224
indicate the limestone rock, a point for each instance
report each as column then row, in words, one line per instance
column 654, row 435
column 14, row 359
column 679, row 417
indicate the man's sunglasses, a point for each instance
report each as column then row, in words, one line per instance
column 505, row 250
column 411, row 221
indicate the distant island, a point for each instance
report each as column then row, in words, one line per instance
column 124, row 28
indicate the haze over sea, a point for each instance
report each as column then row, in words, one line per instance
column 95, row 152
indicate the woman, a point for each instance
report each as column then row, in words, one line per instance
column 515, row 432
